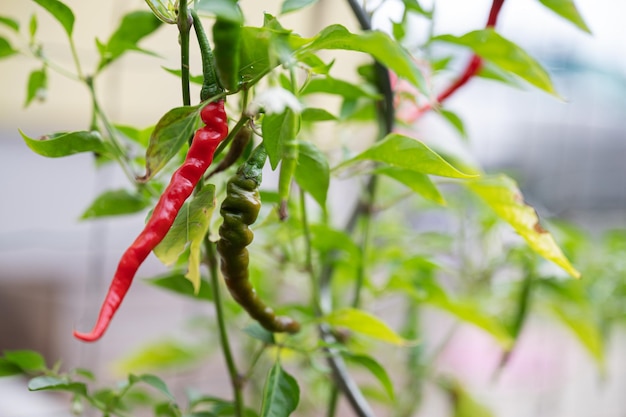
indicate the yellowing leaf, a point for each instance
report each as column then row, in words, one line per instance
column 365, row 323
column 502, row 195
column 190, row 226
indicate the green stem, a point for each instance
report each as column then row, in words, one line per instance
column 333, row 401
column 254, row 361
column 184, row 26
column 235, row 378
column 76, row 61
column 308, row 262
column 119, row 153
column 233, row 132
column 360, row 277
column 58, row 69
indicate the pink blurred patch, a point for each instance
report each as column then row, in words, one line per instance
column 537, row 362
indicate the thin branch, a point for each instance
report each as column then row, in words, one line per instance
column 184, row 27
column 386, row 114
column 347, row 385
column 235, row 378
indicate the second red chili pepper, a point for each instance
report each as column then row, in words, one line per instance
column 198, row 159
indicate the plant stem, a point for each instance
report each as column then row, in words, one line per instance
column 76, row 61
column 233, row 132
column 342, row 377
column 333, row 401
column 254, row 361
column 363, row 208
column 308, row 262
column 184, row 27
column 120, row 155
column 235, row 378
column 360, row 277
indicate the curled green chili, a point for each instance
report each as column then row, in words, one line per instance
column 239, row 210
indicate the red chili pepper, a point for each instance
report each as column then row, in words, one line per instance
column 198, row 159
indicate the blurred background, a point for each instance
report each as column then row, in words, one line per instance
column 567, row 156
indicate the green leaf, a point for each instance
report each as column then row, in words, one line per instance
column 375, row 368
column 63, row 144
column 254, row 59
column 365, row 323
column 330, row 85
column 492, row 72
column 152, row 380
column 398, row 30
column 256, row 331
column 488, row 44
column 37, row 86
column 195, row 79
column 167, row 409
column 8, row 368
column 27, row 360
column 177, row 283
column 165, row 12
column 358, row 111
column 10, row 23
column 293, row 5
column 53, row 383
column 116, row 203
column 223, row 9
column 6, row 50
column 190, row 226
column 471, row 314
column 326, row 239
column 278, row 130
column 585, row 330
column 140, row 136
column 416, row 278
column 169, row 135
column 61, row 13
column 312, row 172
column 85, row 373
column 315, row 63
column 505, row 199
column 455, row 121
column 281, row 394
column 378, row 44
column 418, row 182
column 32, row 27
column 313, row 114
column 405, row 152
column 160, row 355
column 463, row 404
column 134, row 27
column 567, row 10
column 572, row 305
column 413, row 5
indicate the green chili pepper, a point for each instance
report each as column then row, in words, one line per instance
column 210, row 85
column 287, row 171
column 239, row 210
column 227, row 39
column 239, row 144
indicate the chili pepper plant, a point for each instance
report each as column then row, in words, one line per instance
column 326, row 292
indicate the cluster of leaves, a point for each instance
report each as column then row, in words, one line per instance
column 131, row 395
column 307, row 245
